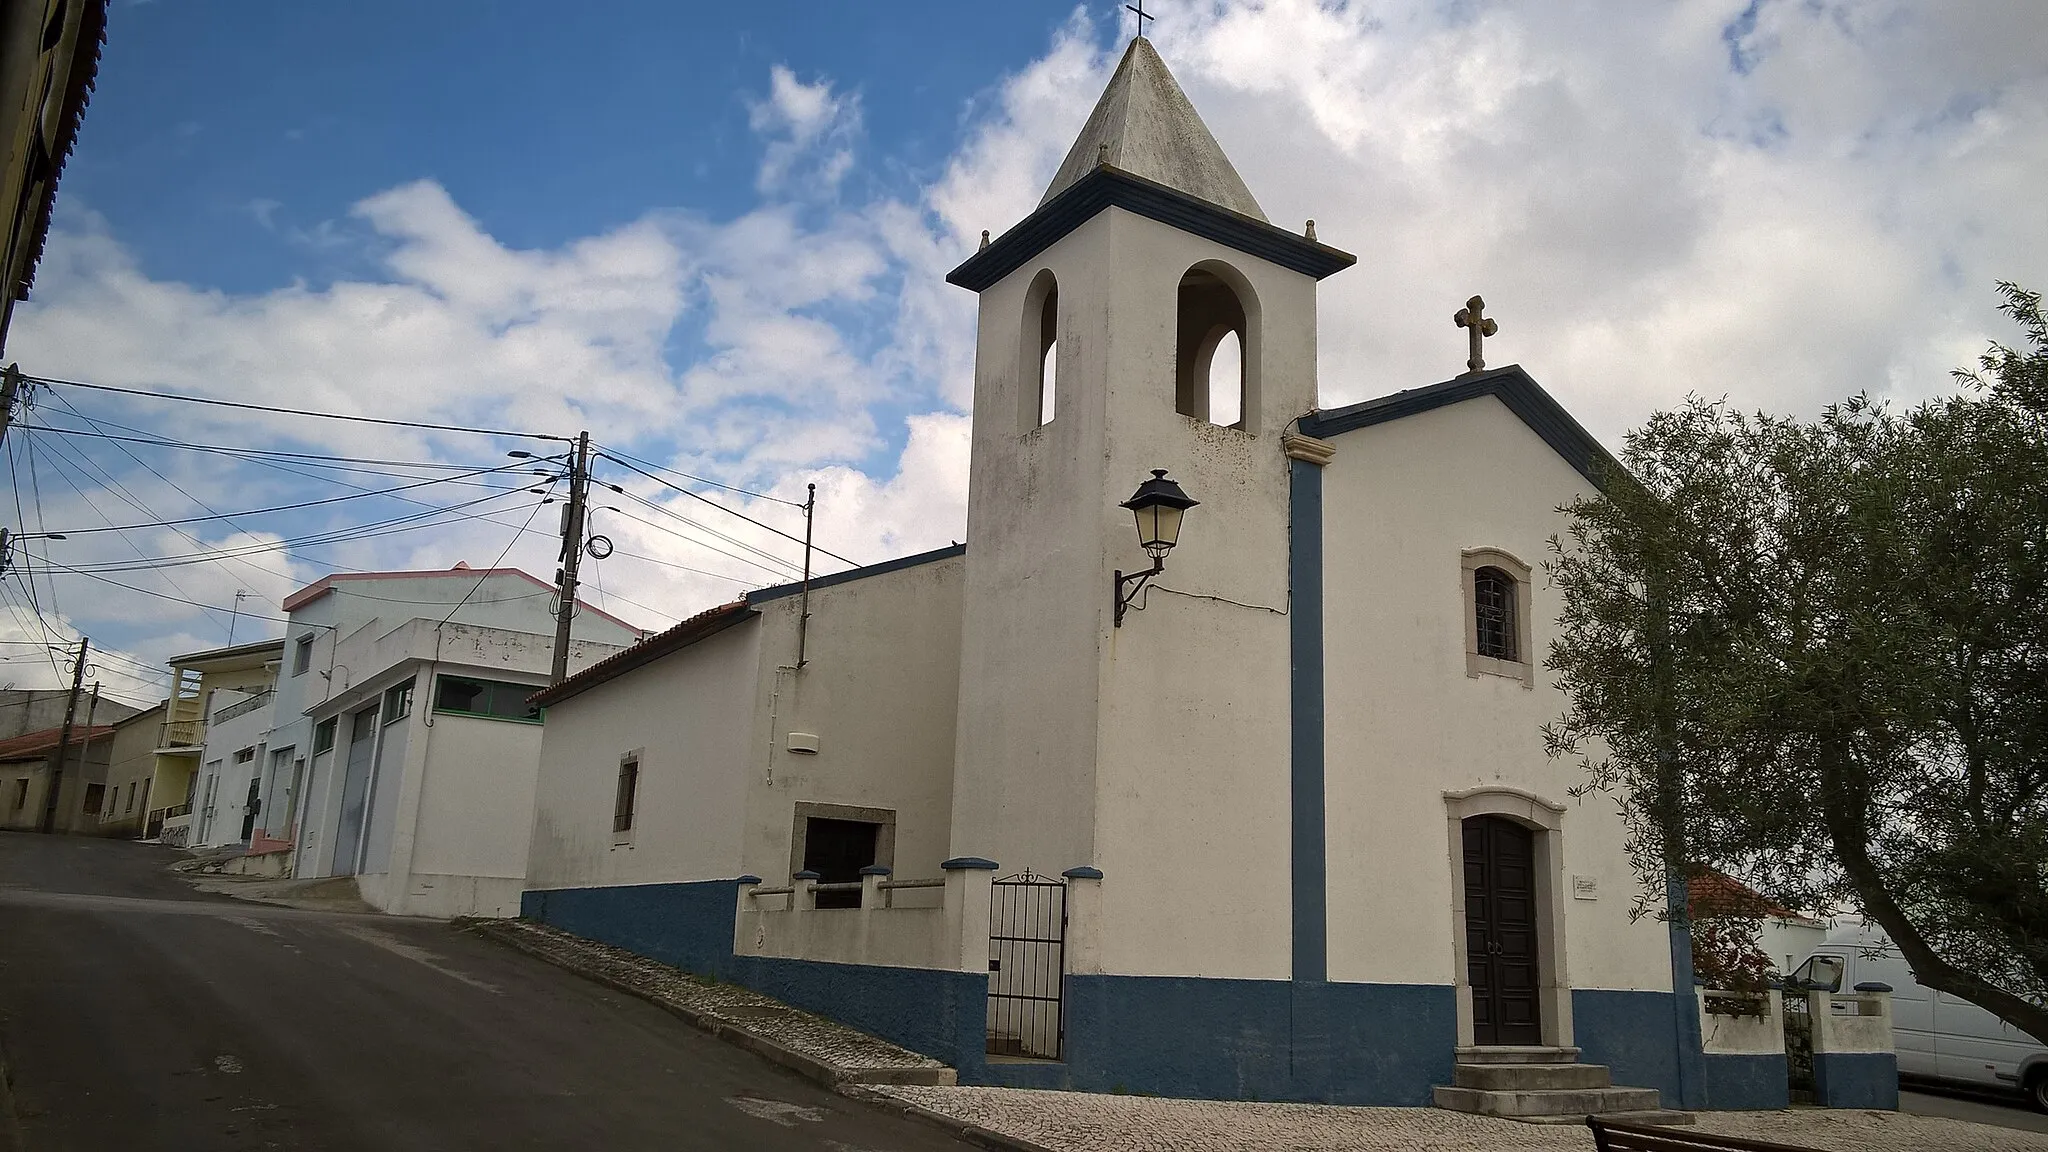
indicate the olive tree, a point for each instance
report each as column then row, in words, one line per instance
column 1814, row 653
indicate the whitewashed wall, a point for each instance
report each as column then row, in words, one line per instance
column 879, row 689
column 1407, row 724
column 223, row 740
column 452, row 797
column 380, row 606
column 691, row 716
column 1157, row 752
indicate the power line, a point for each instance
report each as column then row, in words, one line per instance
column 292, row 507
column 280, row 468
column 263, row 455
column 499, row 562
column 175, row 487
column 125, row 538
column 387, row 421
column 231, row 450
column 20, row 517
column 337, row 536
column 701, row 544
column 698, row 479
column 721, row 507
column 705, row 528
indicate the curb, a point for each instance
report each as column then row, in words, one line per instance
column 967, row 1130
column 850, row 1084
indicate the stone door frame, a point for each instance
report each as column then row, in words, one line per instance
column 1546, row 820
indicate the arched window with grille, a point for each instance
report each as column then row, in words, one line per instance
column 1496, row 606
column 1493, row 606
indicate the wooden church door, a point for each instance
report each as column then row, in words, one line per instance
column 1500, row 931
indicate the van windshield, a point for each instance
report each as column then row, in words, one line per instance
column 1820, row 972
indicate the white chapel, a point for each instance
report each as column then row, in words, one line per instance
column 1248, row 800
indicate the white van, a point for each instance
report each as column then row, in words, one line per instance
column 1938, row 1036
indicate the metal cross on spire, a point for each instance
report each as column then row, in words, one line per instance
column 1143, row 15
column 1478, row 329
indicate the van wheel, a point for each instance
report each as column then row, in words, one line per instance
column 2037, row 1090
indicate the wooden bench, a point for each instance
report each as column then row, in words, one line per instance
column 1614, row 1136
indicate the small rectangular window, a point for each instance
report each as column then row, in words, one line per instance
column 245, row 755
column 302, row 655
column 129, row 808
column 625, row 799
column 323, row 735
column 21, row 792
column 495, row 699
column 398, row 702
column 94, row 793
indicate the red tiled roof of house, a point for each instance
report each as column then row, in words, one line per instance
column 1709, row 892
column 699, row 627
column 34, row 745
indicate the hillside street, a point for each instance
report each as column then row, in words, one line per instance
column 138, row 1013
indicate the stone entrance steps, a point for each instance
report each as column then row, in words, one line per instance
column 1546, row 1085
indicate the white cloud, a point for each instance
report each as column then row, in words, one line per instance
column 810, row 133
column 1783, row 201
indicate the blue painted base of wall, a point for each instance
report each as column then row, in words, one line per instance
column 1856, row 1080
column 686, row 925
column 1249, row 1040
column 1384, row 1044
column 1633, row 1033
column 1747, row 1082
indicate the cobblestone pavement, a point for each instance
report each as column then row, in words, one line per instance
column 841, row 1052
column 1087, row 1122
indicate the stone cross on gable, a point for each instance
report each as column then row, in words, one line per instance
column 1478, row 329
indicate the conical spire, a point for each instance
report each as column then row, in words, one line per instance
column 1144, row 125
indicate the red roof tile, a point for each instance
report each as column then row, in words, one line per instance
column 36, row 745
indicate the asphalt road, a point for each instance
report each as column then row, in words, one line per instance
column 1981, row 1108
column 140, row 1014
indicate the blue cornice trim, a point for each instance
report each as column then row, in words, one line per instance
column 806, row 874
column 897, row 565
column 968, row 863
column 1514, row 387
column 877, row 870
column 1305, row 688
column 1108, row 187
column 1084, row 872
column 749, row 878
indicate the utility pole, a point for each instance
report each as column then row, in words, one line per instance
column 803, row 619
column 10, row 385
column 572, row 555
column 64, row 740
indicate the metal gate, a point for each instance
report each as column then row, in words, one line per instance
column 1798, row 1044
column 1027, row 944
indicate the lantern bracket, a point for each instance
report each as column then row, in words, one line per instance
column 1137, row 582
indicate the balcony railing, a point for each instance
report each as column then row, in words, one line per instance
column 183, row 734
column 260, row 700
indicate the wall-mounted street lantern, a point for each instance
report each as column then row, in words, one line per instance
column 1158, row 505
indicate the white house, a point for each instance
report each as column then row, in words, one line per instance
column 229, row 692
column 1281, row 827
column 429, row 806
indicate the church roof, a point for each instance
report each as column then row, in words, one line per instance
column 1514, row 388
column 1146, row 151
column 1144, row 125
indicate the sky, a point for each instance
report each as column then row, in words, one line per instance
column 716, row 238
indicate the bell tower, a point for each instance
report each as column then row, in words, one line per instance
column 1145, row 316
